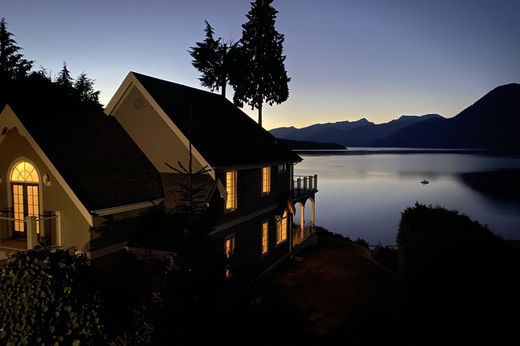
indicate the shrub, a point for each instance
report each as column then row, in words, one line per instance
column 46, row 297
column 454, row 269
column 441, row 240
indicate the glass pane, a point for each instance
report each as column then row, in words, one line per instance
column 266, row 179
column 18, row 208
column 265, row 239
column 231, row 201
column 24, row 172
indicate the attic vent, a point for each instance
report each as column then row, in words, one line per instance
column 139, row 103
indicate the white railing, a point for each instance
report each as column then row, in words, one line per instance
column 31, row 227
column 304, row 184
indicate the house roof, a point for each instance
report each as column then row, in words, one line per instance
column 92, row 152
column 222, row 133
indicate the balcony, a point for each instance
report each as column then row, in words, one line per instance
column 304, row 185
column 41, row 229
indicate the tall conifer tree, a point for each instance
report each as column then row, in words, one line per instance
column 64, row 79
column 261, row 75
column 12, row 63
column 85, row 89
column 211, row 58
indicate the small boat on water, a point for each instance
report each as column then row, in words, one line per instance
column 424, row 182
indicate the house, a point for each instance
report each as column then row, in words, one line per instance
column 65, row 170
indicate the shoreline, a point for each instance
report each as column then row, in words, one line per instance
column 373, row 151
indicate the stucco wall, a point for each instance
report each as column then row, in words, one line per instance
column 139, row 119
column 13, row 146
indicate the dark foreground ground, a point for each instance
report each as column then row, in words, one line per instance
column 332, row 290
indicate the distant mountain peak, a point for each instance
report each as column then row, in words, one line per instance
column 491, row 122
column 430, row 115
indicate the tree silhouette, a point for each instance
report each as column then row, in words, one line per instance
column 12, row 63
column 64, row 80
column 43, row 74
column 260, row 75
column 85, row 89
column 212, row 58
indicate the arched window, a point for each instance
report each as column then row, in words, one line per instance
column 24, row 172
column 25, row 195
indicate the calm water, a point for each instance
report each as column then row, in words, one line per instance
column 362, row 195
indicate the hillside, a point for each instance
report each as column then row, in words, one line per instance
column 493, row 122
column 308, row 145
column 350, row 133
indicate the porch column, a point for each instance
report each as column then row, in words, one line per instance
column 302, row 217
column 59, row 218
column 313, row 208
column 32, row 238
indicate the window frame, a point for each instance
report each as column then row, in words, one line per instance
column 264, row 243
column 233, row 193
column 231, row 239
column 280, row 239
column 266, row 180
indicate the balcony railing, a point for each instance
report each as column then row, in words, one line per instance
column 41, row 229
column 303, row 185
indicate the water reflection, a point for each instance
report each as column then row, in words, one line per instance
column 363, row 195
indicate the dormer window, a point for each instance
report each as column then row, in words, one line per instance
column 231, row 190
column 266, row 180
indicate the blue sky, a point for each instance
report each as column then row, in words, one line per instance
column 346, row 59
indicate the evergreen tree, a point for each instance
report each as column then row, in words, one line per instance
column 64, row 79
column 85, row 89
column 12, row 63
column 210, row 57
column 261, row 76
column 43, row 74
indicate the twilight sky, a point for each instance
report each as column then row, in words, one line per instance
column 347, row 59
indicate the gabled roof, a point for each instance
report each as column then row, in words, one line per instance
column 92, row 152
column 222, row 133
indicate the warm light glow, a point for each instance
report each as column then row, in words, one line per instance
column 265, row 237
column 24, row 172
column 231, row 190
column 26, row 200
column 281, row 230
column 18, row 208
column 229, row 246
column 266, row 179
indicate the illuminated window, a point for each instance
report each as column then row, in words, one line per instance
column 282, row 168
column 24, row 172
column 229, row 245
column 265, row 237
column 229, row 248
column 266, row 180
column 18, row 208
column 26, row 200
column 231, row 190
column 281, row 229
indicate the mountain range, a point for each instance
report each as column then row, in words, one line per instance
column 493, row 122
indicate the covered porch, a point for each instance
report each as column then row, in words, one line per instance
column 304, row 189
